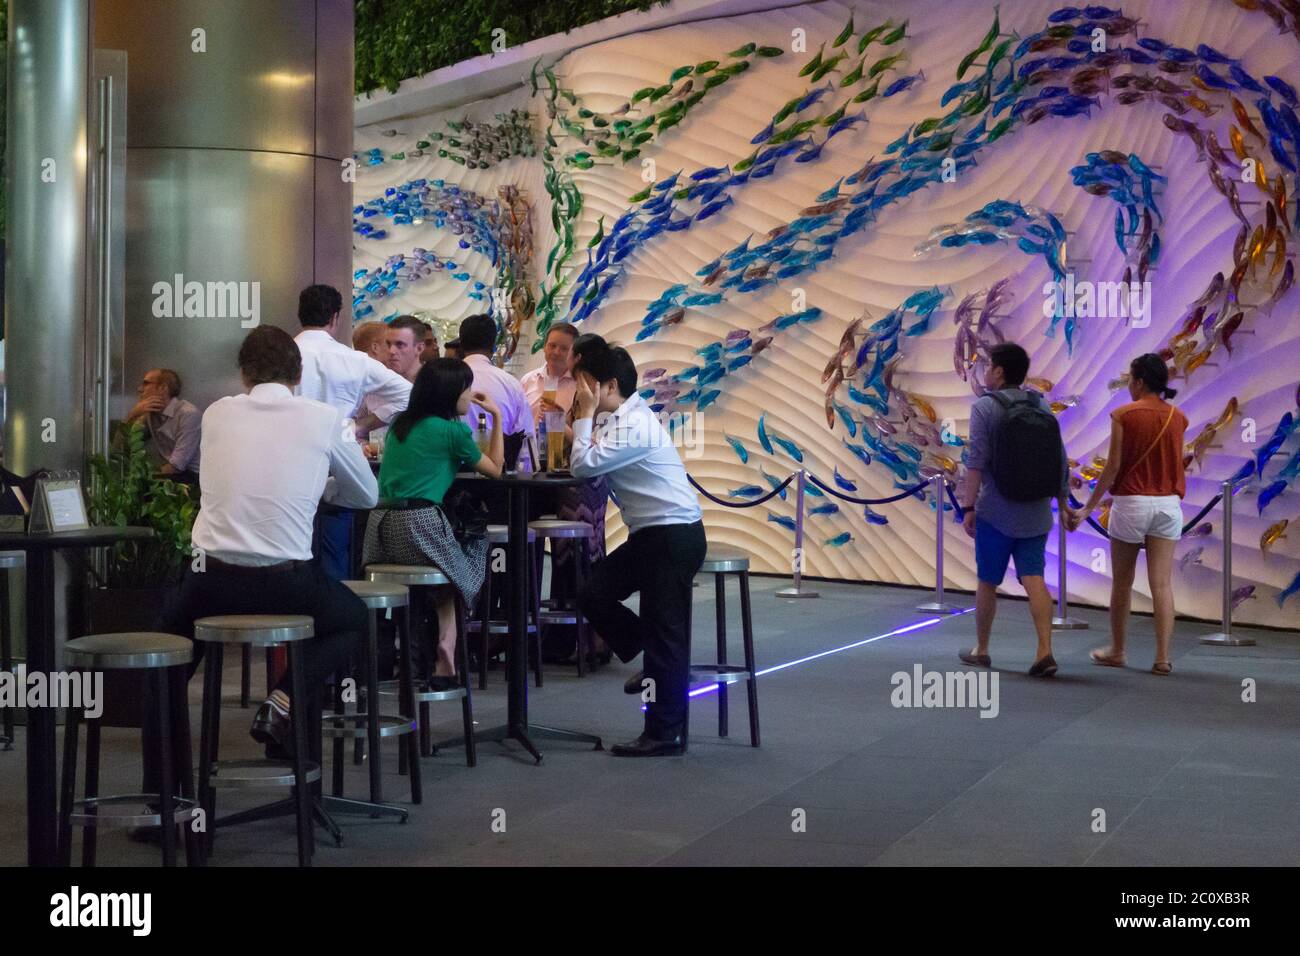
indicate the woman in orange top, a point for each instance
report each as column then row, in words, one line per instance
column 1144, row 470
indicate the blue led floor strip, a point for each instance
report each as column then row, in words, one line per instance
column 919, row 625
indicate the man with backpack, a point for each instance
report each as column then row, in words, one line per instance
column 1016, row 465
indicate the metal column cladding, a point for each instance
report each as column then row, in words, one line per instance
column 239, row 118
column 45, row 301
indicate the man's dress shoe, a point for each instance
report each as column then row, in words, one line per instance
column 645, row 746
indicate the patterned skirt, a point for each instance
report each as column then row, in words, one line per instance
column 423, row 536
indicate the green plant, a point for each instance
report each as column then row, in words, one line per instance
column 399, row 39
column 125, row 490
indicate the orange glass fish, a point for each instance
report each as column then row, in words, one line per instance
column 1228, row 414
column 1041, row 384
column 925, row 407
column 1274, row 532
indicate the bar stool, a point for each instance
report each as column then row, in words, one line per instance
column 258, row 630
column 484, row 625
column 164, row 656
column 720, row 564
column 8, row 561
column 577, row 531
column 377, row 596
column 417, row 577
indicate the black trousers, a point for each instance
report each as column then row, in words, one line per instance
column 339, row 616
column 660, row 562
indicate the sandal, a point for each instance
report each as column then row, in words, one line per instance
column 1102, row 659
column 1163, row 668
column 977, row 660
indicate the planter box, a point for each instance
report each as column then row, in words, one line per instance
column 114, row 611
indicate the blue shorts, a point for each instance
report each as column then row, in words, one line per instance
column 993, row 550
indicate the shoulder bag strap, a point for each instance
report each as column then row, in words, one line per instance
column 1156, row 441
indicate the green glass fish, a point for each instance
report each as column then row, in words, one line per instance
column 880, row 66
column 661, row 92
column 769, row 51
column 814, row 63
column 847, row 32
column 717, row 79
column 786, row 110
column 705, row 66
column 997, row 131
column 745, row 50
column 600, row 233
column 891, row 38
column 868, row 93
column 926, row 125
column 828, row 66
column 872, row 34
column 853, row 75
column 733, row 68
column 642, row 93
column 678, row 73
column 642, row 196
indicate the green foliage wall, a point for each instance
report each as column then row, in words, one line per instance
column 398, row 39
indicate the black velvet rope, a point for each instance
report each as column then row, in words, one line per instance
column 865, row 501
column 740, row 504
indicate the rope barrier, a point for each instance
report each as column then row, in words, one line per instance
column 740, row 504
column 866, row 501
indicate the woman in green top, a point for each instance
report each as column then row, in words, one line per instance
column 426, row 446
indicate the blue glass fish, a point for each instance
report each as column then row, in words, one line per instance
column 763, row 440
column 783, row 520
column 872, row 517
column 902, row 83
column 843, row 482
column 1283, row 88
column 830, row 508
column 1268, row 494
column 739, row 448
column 789, row 447
column 863, row 455
column 1290, row 589
column 712, row 208
column 745, row 491
column 840, row 540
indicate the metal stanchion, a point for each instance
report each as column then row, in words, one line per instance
column 1063, row 621
column 797, row 591
column 938, row 605
column 1225, row 637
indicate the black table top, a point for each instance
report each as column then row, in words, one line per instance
column 80, row 538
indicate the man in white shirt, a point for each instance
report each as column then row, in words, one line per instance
column 662, row 554
column 269, row 457
column 341, row 377
column 478, row 338
column 554, row 373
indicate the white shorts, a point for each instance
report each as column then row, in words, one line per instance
column 1134, row 517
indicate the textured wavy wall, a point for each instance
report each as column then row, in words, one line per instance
column 875, row 270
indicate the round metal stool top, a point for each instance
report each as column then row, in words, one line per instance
column 500, row 534
column 379, row 594
column 138, row 650
column 720, row 562
column 555, row 528
column 12, row 559
column 257, row 629
column 406, row 574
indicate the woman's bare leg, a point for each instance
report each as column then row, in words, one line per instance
column 1160, row 563
column 446, row 604
column 1123, row 566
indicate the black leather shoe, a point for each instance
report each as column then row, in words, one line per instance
column 633, row 684
column 273, row 729
column 1044, row 668
column 440, row 683
column 645, row 746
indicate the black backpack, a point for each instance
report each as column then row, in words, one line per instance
column 1026, row 450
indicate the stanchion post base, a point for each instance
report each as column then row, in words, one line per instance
column 1228, row 640
column 1069, row 624
column 796, row 593
column 941, row 607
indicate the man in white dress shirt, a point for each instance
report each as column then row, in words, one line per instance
column 559, row 343
column 663, row 551
column 478, row 338
column 341, row 377
column 269, row 457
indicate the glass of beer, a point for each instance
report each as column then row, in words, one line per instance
column 549, row 390
column 555, row 442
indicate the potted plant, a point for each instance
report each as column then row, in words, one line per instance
column 129, row 587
